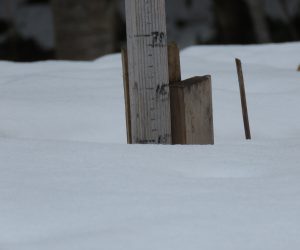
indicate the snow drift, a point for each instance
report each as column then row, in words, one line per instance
column 69, row 181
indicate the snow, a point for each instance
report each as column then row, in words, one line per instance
column 68, row 180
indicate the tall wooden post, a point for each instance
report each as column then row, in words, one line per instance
column 148, row 71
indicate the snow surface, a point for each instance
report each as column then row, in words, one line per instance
column 68, row 180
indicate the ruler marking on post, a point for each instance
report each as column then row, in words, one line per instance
column 148, row 71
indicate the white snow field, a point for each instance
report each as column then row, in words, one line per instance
column 68, row 181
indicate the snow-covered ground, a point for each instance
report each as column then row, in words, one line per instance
column 68, row 180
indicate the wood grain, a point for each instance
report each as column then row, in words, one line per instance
column 194, row 111
column 176, row 95
column 198, row 111
column 148, row 71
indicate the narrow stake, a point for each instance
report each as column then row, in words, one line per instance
column 126, row 94
column 176, row 96
column 243, row 98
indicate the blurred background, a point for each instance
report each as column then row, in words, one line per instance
column 32, row 30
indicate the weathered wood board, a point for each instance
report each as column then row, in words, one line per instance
column 194, row 115
column 191, row 104
column 148, row 72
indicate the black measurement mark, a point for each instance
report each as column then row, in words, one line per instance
column 158, row 39
column 161, row 89
column 163, row 139
column 160, row 139
column 141, row 35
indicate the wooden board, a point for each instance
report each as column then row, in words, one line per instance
column 191, row 103
column 193, row 120
column 148, row 71
column 198, row 110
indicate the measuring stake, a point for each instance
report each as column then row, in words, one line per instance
column 148, row 71
column 243, row 98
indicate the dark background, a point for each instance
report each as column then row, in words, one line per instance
column 33, row 30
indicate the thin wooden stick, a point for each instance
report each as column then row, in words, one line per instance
column 176, row 96
column 174, row 63
column 243, row 98
column 126, row 94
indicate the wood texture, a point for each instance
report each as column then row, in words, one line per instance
column 148, row 71
column 198, row 110
column 194, row 111
column 243, row 98
column 126, row 95
column 178, row 114
column 176, row 95
column 174, row 63
column 191, row 103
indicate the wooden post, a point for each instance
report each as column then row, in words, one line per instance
column 193, row 118
column 243, row 98
column 191, row 103
column 176, row 95
column 148, row 71
column 126, row 94
column 198, row 110
column 299, row 67
column 178, row 133
column 174, row 63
